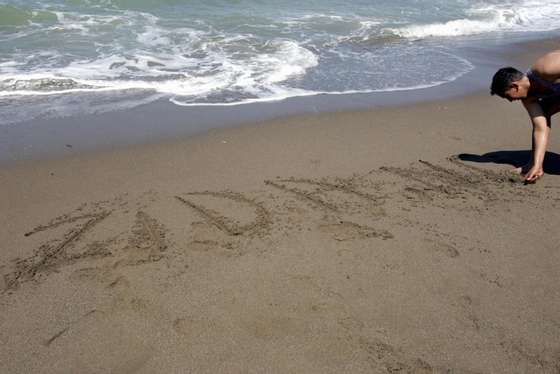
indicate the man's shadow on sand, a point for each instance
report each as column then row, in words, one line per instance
column 551, row 164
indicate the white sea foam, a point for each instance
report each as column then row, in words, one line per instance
column 69, row 105
column 278, row 92
column 507, row 16
column 153, row 36
column 165, row 73
column 282, row 93
column 313, row 17
column 75, row 22
column 208, row 60
column 289, row 60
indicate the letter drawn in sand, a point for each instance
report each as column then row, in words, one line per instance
column 343, row 231
column 230, row 212
column 147, row 243
column 343, row 203
column 344, row 196
column 55, row 253
column 453, row 182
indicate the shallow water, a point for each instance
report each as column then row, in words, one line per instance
column 61, row 57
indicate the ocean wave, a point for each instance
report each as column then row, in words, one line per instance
column 227, row 88
column 11, row 15
column 25, row 108
column 39, row 84
column 199, row 53
column 275, row 62
column 283, row 93
column 528, row 16
column 439, row 67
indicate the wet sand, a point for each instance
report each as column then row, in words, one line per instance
column 393, row 240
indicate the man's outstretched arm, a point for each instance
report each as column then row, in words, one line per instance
column 541, row 130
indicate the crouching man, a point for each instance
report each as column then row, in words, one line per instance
column 539, row 91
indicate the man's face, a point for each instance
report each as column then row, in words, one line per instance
column 515, row 92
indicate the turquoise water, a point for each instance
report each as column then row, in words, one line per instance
column 59, row 57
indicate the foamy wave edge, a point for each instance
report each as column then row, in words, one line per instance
column 530, row 16
column 286, row 93
column 315, row 93
column 278, row 92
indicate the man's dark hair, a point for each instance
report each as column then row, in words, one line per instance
column 503, row 79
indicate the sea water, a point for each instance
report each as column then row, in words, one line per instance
column 61, row 57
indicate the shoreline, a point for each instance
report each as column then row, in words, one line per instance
column 162, row 121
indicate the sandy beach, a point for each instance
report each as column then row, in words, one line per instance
column 391, row 240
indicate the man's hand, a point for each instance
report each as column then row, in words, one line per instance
column 533, row 174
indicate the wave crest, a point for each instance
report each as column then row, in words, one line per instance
column 508, row 16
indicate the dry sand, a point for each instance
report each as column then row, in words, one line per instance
column 386, row 241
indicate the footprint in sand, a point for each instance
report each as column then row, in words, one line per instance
column 442, row 247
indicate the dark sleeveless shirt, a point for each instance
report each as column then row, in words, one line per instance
column 550, row 100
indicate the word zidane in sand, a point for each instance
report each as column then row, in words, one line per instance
column 539, row 91
column 88, row 242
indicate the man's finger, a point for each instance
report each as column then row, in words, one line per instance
column 531, row 178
